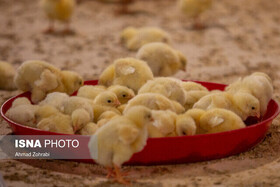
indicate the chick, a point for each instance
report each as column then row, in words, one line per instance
column 153, row 101
column 193, row 9
column 23, row 114
column 165, row 121
column 88, row 129
column 258, row 84
column 120, row 138
column 162, row 59
column 60, row 10
column 134, row 38
column 169, row 87
column 123, row 93
column 20, row 101
column 105, row 117
column 90, row 92
column 45, row 111
column 59, row 123
column 192, row 86
column 196, row 114
column 42, row 78
column 80, row 110
column 220, row 120
column 107, row 76
column 107, row 98
column 55, row 99
column 7, row 73
column 193, row 96
column 185, row 125
column 243, row 104
column 128, row 72
column 98, row 110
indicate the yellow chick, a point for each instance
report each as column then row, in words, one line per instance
column 169, row 87
column 120, row 138
column 164, row 121
column 105, row 117
column 98, row 110
column 123, row 93
column 153, row 101
column 185, row 125
column 196, row 114
column 192, row 86
column 90, row 92
column 243, row 104
column 162, row 59
column 258, row 84
column 45, row 111
column 107, row 98
column 59, row 123
column 7, row 73
column 129, row 72
column 80, row 110
column 55, row 99
column 107, row 76
column 88, row 129
column 193, row 96
column 193, row 9
column 23, row 114
column 134, row 38
column 20, row 101
column 42, row 78
column 220, row 120
column 60, row 10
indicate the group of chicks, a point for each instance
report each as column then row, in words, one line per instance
column 62, row 10
column 129, row 105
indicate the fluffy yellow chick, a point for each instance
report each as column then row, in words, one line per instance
column 123, row 93
column 129, row 72
column 192, row 86
column 162, row 59
column 164, row 121
column 258, row 84
column 134, row 38
column 105, row 117
column 59, row 123
column 185, row 125
column 169, row 87
column 193, row 9
column 7, row 73
column 107, row 98
column 23, row 114
column 98, row 110
column 153, row 101
column 120, row 138
column 90, row 92
column 220, row 120
column 20, row 101
column 243, row 104
column 60, row 10
column 80, row 110
column 193, row 96
column 42, row 78
column 55, row 99
column 196, row 114
column 88, row 129
column 45, row 111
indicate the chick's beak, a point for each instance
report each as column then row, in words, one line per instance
column 152, row 119
column 257, row 114
column 117, row 103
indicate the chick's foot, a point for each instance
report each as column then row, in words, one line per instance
column 119, row 176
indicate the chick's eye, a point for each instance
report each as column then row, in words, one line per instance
column 253, row 108
column 109, row 101
column 124, row 95
column 80, row 83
